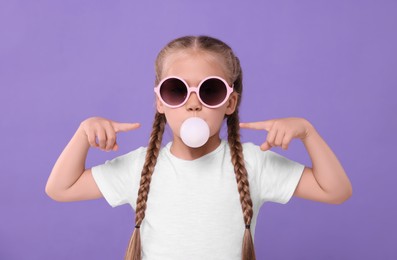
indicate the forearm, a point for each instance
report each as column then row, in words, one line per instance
column 327, row 169
column 70, row 164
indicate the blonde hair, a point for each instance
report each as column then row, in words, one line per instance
column 234, row 73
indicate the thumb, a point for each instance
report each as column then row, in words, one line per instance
column 125, row 127
column 265, row 146
column 115, row 147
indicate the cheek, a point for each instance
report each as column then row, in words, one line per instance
column 215, row 122
column 174, row 120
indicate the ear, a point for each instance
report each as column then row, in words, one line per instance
column 159, row 106
column 231, row 103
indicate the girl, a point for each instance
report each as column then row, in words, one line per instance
column 197, row 200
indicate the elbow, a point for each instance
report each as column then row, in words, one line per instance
column 53, row 194
column 56, row 197
column 50, row 193
column 342, row 197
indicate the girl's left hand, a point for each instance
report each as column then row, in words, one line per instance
column 281, row 131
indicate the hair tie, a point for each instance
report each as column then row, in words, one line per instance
column 247, row 226
column 137, row 226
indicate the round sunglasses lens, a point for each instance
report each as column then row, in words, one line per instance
column 213, row 92
column 173, row 91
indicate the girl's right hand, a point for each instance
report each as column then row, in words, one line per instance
column 101, row 132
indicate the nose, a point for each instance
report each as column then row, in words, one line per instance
column 193, row 103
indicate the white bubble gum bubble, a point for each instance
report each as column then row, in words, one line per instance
column 194, row 132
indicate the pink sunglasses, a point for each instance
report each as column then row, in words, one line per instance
column 212, row 91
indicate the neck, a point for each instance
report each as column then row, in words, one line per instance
column 182, row 151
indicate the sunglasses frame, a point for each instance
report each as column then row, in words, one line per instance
column 190, row 89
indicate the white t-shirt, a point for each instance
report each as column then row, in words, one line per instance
column 193, row 207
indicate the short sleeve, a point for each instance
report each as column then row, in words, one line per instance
column 278, row 177
column 118, row 179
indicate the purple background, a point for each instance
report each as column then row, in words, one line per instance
column 332, row 62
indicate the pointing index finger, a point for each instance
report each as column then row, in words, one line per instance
column 125, row 127
column 260, row 125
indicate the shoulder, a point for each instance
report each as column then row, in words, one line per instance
column 252, row 151
column 250, row 148
column 255, row 157
column 137, row 153
column 124, row 161
column 252, row 156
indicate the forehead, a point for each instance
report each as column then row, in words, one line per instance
column 193, row 66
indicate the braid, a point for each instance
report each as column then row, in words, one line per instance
column 236, row 150
column 134, row 246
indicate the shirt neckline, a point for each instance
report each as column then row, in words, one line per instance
column 220, row 147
